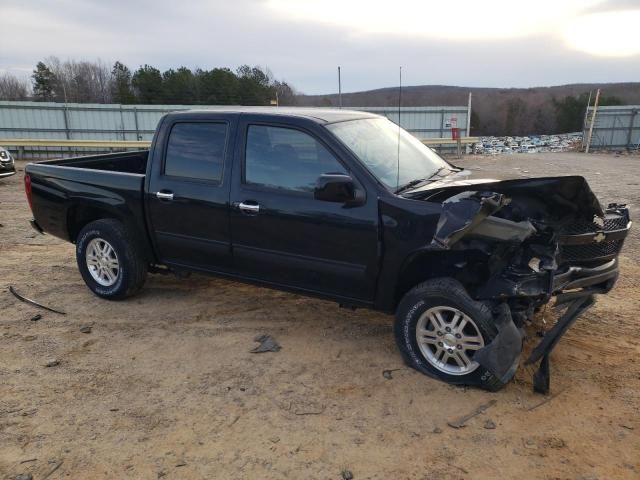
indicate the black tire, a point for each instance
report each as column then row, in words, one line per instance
column 132, row 266
column 445, row 292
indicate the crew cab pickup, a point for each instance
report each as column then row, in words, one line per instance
column 345, row 206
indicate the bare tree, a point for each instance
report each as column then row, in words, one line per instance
column 81, row 82
column 13, row 88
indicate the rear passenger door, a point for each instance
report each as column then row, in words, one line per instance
column 188, row 191
column 280, row 233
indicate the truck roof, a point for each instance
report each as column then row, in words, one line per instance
column 320, row 115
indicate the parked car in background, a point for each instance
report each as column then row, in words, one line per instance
column 7, row 164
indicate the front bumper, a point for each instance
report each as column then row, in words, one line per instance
column 576, row 277
column 594, row 271
column 588, row 265
column 7, row 167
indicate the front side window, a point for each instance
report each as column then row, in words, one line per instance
column 196, row 150
column 285, row 158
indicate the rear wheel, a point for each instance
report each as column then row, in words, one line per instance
column 439, row 328
column 110, row 261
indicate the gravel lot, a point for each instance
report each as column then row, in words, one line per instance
column 164, row 386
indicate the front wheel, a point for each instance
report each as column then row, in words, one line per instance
column 439, row 328
column 110, row 262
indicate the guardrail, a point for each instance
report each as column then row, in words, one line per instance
column 450, row 141
column 21, row 143
column 31, row 142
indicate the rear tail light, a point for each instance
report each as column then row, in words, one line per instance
column 27, row 189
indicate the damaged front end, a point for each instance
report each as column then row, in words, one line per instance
column 540, row 238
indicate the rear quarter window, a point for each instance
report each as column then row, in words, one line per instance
column 196, row 150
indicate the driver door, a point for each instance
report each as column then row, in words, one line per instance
column 280, row 233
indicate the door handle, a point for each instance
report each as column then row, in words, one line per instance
column 249, row 208
column 164, row 195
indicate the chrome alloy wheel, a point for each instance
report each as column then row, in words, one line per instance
column 448, row 339
column 102, row 262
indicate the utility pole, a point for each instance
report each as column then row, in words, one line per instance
column 339, row 89
column 586, row 117
column 593, row 120
column 469, row 116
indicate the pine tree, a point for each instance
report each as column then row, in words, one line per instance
column 147, row 82
column 121, row 88
column 44, row 83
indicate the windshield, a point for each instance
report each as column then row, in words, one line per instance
column 375, row 142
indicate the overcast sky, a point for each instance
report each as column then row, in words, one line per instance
column 482, row 43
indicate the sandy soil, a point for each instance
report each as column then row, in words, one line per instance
column 165, row 387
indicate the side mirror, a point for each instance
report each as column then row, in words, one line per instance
column 338, row 188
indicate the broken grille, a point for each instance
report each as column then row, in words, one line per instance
column 592, row 251
column 611, row 222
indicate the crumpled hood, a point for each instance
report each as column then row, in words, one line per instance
column 551, row 199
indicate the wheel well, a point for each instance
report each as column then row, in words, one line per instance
column 81, row 216
column 459, row 265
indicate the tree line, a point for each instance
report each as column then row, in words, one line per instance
column 497, row 111
column 84, row 81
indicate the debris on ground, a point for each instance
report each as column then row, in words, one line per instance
column 437, row 430
column 548, row 399
column 267, row 344
column 86, row 328
column 461, row 422
column 54, row 362
column 24, row 476
column 388, row 373
column 52, row 471
column 490, row 424
column 311, row 412
column 36, row 317
column 33, row 302
column 346, row 475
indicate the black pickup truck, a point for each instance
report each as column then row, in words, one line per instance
column 345, row 206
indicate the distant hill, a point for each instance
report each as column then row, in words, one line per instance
column 497, row 111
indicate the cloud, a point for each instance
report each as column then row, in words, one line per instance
column 491, row 43
column 469, row 19
column 607, row 34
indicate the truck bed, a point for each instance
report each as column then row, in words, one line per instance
column 67, row 193
column 124, row 162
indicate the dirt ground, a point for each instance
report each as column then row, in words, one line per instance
column 164, row 386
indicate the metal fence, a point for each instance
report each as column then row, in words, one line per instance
column 614, row 128
column 425, row 122
column 40, row 120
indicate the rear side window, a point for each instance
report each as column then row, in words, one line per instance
column 286, row 159
column 196, row 150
